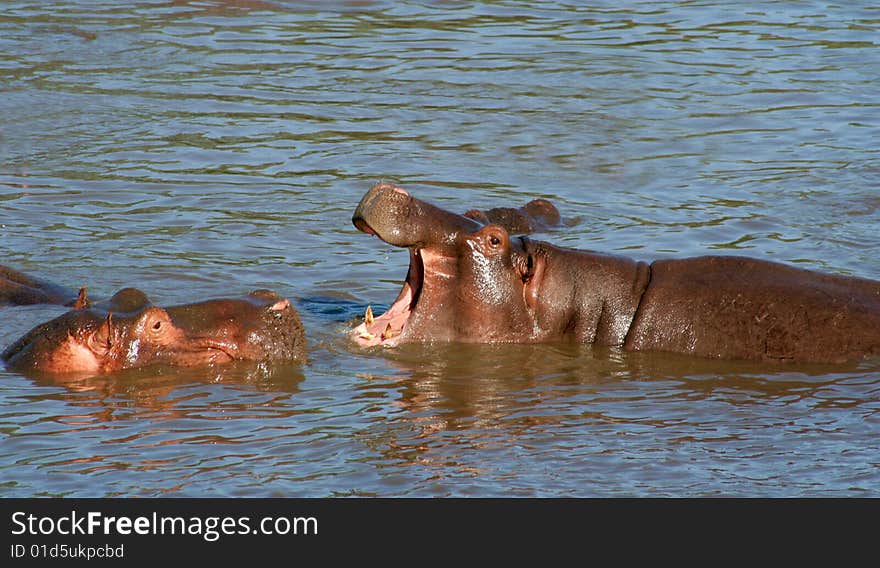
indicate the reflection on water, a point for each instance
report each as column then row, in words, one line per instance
column 202, row 149
column 573, row 421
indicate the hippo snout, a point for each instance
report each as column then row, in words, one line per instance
column 399, row 219
column 381, row 209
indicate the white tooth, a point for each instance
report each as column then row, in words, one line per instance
column 366, row 335
column 368, row 316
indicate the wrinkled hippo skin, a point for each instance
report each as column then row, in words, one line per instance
column 128, row 331
column 471, row 281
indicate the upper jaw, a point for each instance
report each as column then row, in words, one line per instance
column 391, row 214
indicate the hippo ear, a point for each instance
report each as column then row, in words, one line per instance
column 82, row 300
column 477, row 215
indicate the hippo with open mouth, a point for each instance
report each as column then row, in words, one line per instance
column 471, row 281
column 128, row 331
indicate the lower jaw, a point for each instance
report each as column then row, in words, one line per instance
column 365, row 336
column 386, row 329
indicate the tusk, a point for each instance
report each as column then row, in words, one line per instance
column 368, row 316
column 388, row 333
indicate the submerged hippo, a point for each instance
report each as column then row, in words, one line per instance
column 128, row 331
column 19, row 289
column 472, row 282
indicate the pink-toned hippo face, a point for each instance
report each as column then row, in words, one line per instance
column 130, row 332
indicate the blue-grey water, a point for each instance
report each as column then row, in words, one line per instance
column 205, row 148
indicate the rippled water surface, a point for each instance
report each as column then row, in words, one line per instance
column 198, row 149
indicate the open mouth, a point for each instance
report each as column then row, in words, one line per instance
column 388, row 328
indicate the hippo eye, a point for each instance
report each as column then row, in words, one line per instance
column 494, row 241
column 157, row 326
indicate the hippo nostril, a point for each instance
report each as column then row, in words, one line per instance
column 383, row 186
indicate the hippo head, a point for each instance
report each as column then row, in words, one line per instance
column 467, row 281
column 127, row 331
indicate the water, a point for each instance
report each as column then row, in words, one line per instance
column 201, row 149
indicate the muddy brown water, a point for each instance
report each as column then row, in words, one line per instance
column 199, row 149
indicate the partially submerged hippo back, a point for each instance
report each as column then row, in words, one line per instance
column 19, row 289
column 471, row 281
column 128, row 331
column 746, row 308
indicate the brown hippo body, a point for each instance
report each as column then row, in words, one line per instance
column 743, row 308
column 470, row 281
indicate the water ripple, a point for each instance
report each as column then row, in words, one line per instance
column 198, row 149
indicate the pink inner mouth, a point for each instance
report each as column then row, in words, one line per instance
column 387, row 328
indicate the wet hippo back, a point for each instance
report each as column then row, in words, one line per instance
column 733, row 307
